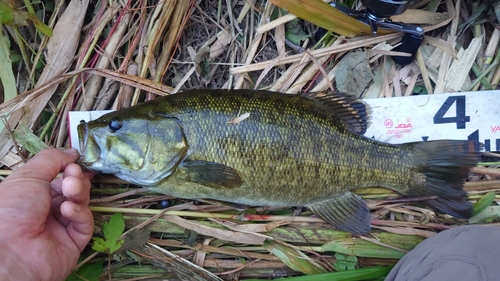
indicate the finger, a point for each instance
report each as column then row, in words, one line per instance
column 81, row 223
column 76, row 171
column 73, row 189
column 45, row 165
column 76, row 190
column 73, row 170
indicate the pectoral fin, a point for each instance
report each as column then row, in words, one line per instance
column 347, row 212
column 212, row 174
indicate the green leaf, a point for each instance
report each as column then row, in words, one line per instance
column 87, row 272
column 6, row 14
column 483, row 203
column 99, row 245
column 40, row 26
column 368, row 273
column 294, row 258
column 363, row 248
column 28, row 140
column 488, row 215
column 10, row 16
column 345, row 262
column 322, row 14
column 15, row 58
column 420, row 90
column 295, row 33
column 113, row 247
column 7, row 77
column 113, row 229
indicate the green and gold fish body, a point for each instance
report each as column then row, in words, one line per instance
column 270, row 149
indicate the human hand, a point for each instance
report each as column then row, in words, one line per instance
column 44, row 222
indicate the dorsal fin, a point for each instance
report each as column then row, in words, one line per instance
column 353, row 112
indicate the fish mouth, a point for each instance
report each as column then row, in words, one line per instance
column 89, row 150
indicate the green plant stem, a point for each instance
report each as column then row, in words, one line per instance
column 481, row 76
column 477, row 33
column 31, row 10
column 243, row 217
column 496, row 77
column 6, row 75
column 493, row 79
column 155, row 212
column 22, row 46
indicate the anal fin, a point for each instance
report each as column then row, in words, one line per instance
column 347, row 212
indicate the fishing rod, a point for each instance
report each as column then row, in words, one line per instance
column 377, row 15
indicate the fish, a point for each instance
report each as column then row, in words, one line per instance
column 263, row 148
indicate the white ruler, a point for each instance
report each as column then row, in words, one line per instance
column 75, row 118
column 458, row 116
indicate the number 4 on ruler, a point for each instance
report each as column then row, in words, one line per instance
column 460, row 118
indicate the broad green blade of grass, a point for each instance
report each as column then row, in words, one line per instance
column 28, row 140
column 397, row 246
column 488, row 215
column 88, row 272
column 138, row 271
column 6, row 14
column 483, row 203
column 6, row 75
column 40, row 26
column 345, row 262
column 368, row 273
column 294, row 258
column 324, row 15
column 9, row 15
column 307, row 234
column 361, row 248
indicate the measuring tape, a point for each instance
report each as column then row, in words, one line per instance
column 458, row 116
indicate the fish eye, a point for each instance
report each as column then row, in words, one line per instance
column 114, row 125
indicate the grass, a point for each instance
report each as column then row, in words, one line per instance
column 112, row 54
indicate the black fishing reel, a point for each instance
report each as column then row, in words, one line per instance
column 377, row 14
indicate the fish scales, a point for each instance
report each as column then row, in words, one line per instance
column 292, row 150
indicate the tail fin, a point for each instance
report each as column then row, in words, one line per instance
column 442, row 167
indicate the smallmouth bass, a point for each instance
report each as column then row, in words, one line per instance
column 286, row 150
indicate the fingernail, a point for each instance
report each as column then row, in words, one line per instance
column 71, row 151
column 77, row 207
